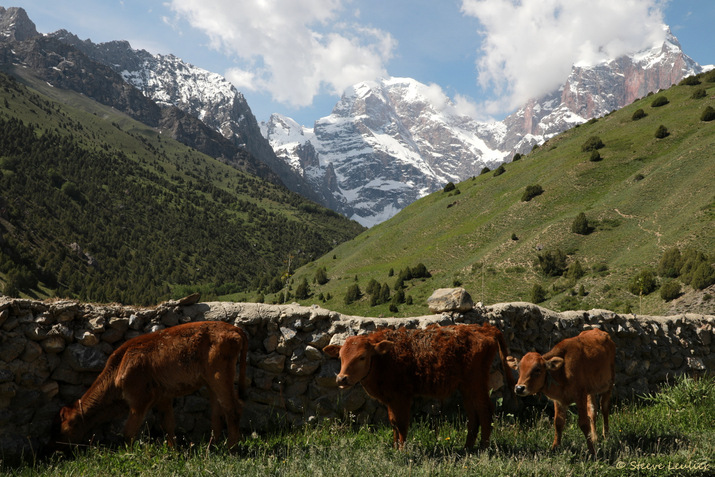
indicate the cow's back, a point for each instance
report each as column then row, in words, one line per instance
column 179, row 358
column 431, row 362
column 589, row 360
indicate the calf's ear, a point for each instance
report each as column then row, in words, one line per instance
column 512, row 362
column 554, row 363
column 332, row 350
column 384, row 346
column 65, row 413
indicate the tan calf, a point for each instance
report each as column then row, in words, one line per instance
column 576, row 370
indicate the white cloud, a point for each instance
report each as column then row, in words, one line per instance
column 465, row 106
column 460, row 105
column 529, row 46
column 292, row 49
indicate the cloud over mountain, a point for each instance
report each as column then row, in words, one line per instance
column 292, row 50
column 530, row 46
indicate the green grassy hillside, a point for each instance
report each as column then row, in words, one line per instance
column 97, row 206
column 643, row 197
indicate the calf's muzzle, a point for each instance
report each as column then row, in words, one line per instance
column 342, row 381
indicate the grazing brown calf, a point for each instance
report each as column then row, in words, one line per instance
column 576, row 370
column 150, row 370
column 393, row 366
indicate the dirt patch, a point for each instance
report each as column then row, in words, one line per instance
column 695, row 301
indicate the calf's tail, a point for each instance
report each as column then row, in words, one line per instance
column 503, row 353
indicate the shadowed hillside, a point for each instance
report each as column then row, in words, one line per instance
column 98, row 206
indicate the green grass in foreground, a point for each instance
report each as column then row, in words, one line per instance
column 668, row 433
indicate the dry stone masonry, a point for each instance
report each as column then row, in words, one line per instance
column 51, row 351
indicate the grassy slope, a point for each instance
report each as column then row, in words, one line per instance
column 244, row 209
column 636, row 220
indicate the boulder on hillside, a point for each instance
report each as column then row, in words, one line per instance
column 450, row 299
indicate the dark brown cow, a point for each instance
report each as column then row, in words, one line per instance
column 150, row 370
column 394, row 366
column 576, row 370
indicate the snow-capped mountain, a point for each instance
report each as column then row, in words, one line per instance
column 169, row 81
column 389, row 142
column 592, row 91
column 386, row 144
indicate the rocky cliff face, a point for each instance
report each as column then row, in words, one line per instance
column 61, row 64
column 15, row 25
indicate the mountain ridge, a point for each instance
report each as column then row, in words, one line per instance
column 594, row 90
column 407, row 139
column 207, row 96
column 386, row 151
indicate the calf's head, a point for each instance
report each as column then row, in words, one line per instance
column 356, row 358
column 533, row 369
column 66, row 428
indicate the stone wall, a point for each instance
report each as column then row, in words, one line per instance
column 50, row 352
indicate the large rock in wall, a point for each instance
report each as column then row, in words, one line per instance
column 50, row 352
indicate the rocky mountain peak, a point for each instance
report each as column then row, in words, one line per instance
column 594, row 90
column 387, row 143
column 15, row 25
column 209, row 97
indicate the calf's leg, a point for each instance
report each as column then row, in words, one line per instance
column 168, row 424
column 225, row 403
column 560, row 412
column 473, row 421
column 485, row 410
column 217, row 417
column 605, row 410
column 478, row 407
column 592, row 406
column 399, row 416
column 135, row 420
column 584, row 422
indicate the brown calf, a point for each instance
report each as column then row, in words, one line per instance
column 150, row 370
column 393, row 366
column 576, row 370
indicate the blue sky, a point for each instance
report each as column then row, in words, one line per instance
column 295, row 57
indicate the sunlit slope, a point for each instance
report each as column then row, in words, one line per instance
column 645, row 195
